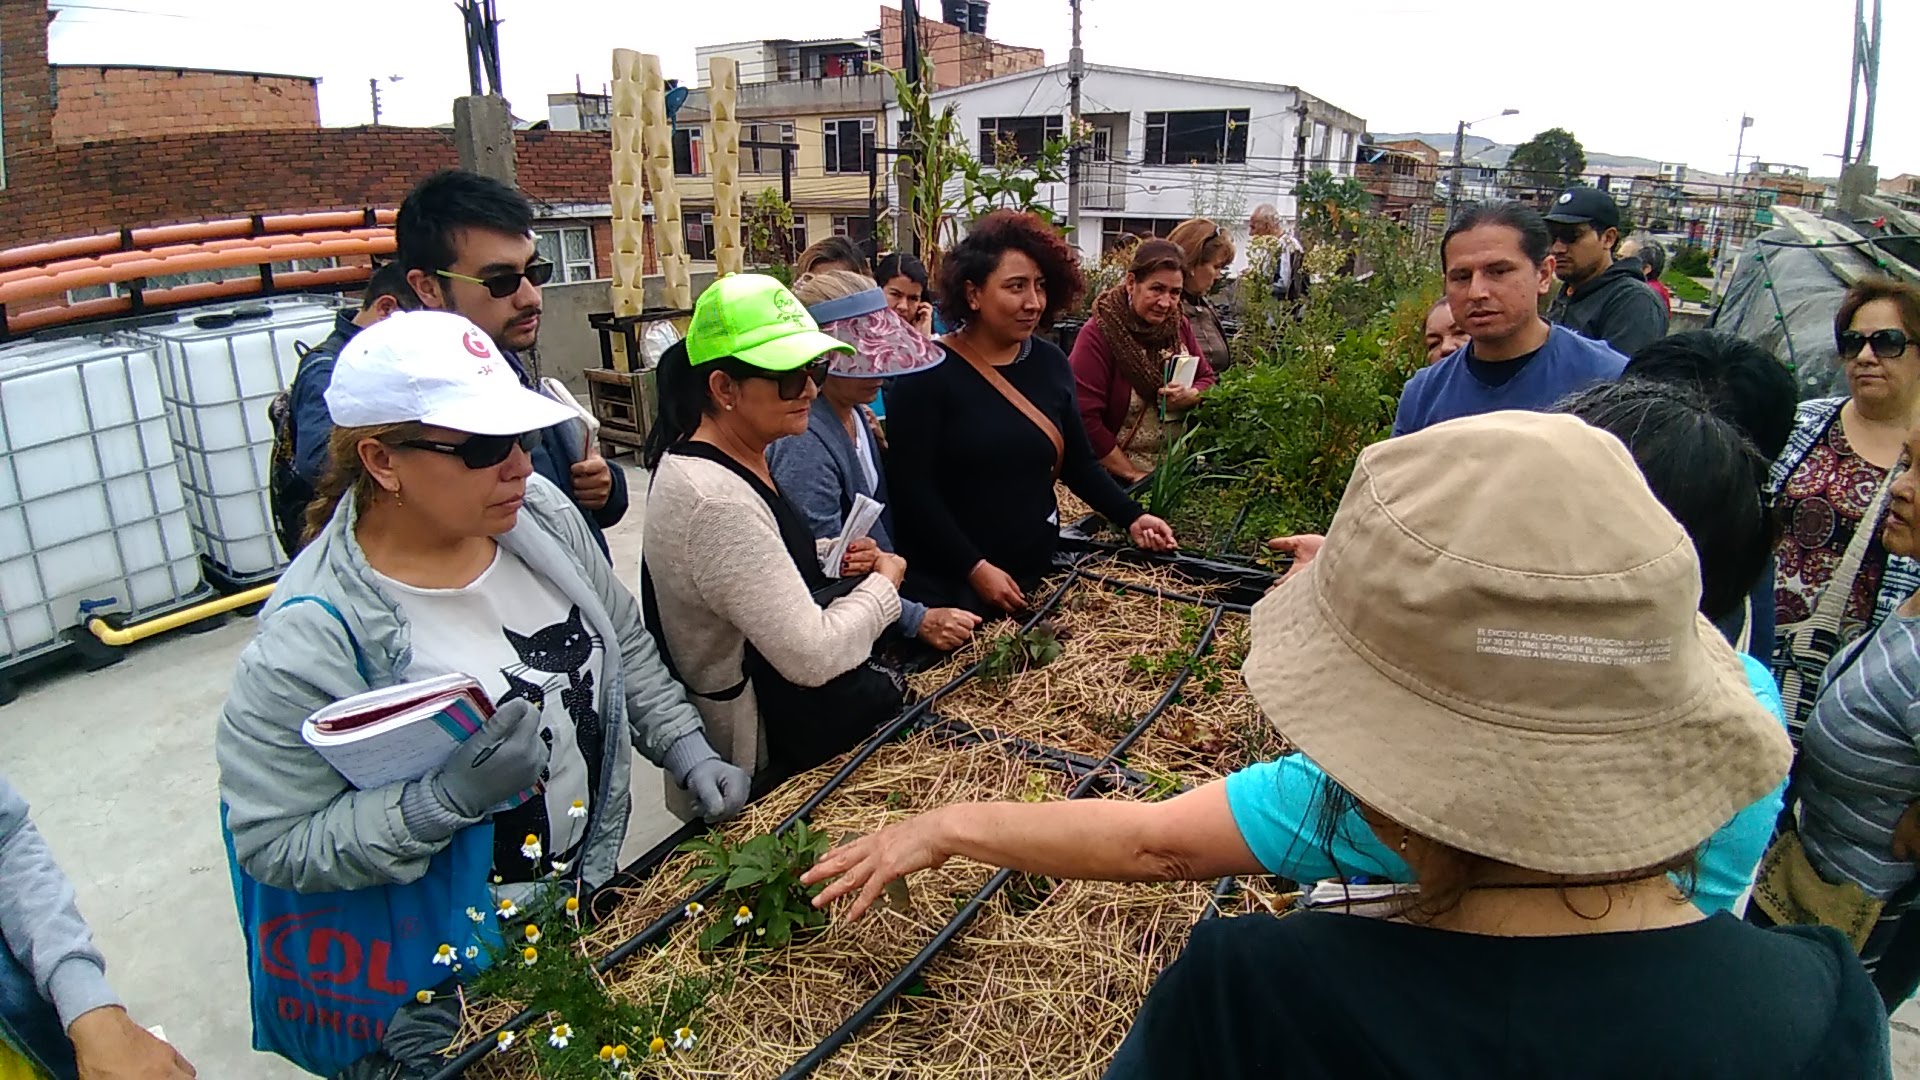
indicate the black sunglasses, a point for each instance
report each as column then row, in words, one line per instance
column 1887, row 344
column 479, row 451
column 1565, row 232
column 505, row 284
column 793, row 383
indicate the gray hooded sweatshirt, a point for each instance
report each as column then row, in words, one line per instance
column 296, row 822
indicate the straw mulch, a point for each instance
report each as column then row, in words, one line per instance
column 786, row 1001
column 1072, row 507
column 1089, row 697
column 1204, row 736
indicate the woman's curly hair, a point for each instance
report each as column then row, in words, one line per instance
column 974, row 259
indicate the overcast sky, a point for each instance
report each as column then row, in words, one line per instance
column 1650, row 78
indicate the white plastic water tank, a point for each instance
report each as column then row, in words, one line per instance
column 219, row 369
column 91, row 507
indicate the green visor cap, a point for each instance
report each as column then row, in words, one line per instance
column 754, row 318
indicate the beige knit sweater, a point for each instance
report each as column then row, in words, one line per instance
column 722, row 577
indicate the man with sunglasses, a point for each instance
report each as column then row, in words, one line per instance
column 466, row 241
column 1602, row 297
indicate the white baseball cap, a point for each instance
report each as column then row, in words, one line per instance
column 434, row 368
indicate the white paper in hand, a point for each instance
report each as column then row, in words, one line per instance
column 1186, row 368
column 859, row 523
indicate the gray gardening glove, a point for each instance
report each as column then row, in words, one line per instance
column 718, row 789
column 497, row 762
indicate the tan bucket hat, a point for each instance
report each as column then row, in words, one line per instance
column 1499, row 649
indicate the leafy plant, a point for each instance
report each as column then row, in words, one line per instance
column 1012, row 182
column 1690, row 260
column 769, row 229
column 761, row 900
column 1551, row 159
column 1016, row 651
column 935, row 157
column 1177, row 476
column 1207, row 672
column 1328, row 205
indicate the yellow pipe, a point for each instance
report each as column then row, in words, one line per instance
column 127, row 635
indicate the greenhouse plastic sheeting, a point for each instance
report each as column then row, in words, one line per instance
column 1808, row 295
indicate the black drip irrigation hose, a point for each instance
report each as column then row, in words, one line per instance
column 1165, row 594
column 1118, row 777
column 1222, row 890
column 831, row 1045
column 657, row 929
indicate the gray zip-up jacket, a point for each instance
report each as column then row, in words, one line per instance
column 296, row 822
column 47, row 943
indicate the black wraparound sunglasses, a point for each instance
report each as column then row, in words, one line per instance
column 1887, row 344
column 479, row 451
column 505, row 284
column 793, row 383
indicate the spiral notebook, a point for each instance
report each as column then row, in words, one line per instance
column 403, row 732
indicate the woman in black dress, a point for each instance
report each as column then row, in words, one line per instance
column 977, row 442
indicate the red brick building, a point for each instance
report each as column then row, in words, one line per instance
column 959, row 57
column 252, row 145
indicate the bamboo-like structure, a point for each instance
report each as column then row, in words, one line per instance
column 656, row 138
column 628, row 196
column 729, row 253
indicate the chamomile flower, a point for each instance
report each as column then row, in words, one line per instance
column 606, row 1055
column 474, row 914
column 502, row 1041
column 529, row 956
column 473, row 952
column 561, row 867
column 560, row 1036
column 743, row 916
column 531, row 848
column 694, row 910
column 619, row 1057
column 508, row 909
column 573, row 906
column 577, row 810
column 683, row 1039
column 533, row 934
column 443, row 956
column 759, row 931
column 424, row 997
column 657, row 1047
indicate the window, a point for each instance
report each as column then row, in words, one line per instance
column 1207, row 137
column 569, row 248
column 689, row 154
column 1025, row 135
column 762, row 162
column 797, row 240
column 699, row 232
column 1112, row 229
column 855, row 227
column 846, row 143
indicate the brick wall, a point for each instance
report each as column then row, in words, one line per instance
column 26, row 89
column 959, row 57
column 60, row 191
column 117, row 102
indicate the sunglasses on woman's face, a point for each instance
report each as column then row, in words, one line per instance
column 1887, row 344
column 479, row 451
column 793, row 384
column 505, row 284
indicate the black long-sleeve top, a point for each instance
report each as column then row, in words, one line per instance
column 972, row 478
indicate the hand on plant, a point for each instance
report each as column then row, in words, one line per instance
column 1152, row 534
column 718, row 788
column 860, row 559
column 1304, row 548
column 948, row 628
column 1179, row 398
column 870, row 863
column 108, row 1045
column 997, row 587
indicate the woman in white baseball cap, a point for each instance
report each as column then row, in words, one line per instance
column 434, row 549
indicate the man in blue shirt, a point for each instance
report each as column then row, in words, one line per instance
column 467, row 243
column 1498, row 265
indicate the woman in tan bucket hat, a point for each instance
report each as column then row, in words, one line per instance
column 1498, row 655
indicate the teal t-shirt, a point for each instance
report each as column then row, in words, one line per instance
column 1277, row 806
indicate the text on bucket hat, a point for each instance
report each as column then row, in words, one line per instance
column 438, row 369
column 884, row 345
column 1498, row 649
column 753, row 318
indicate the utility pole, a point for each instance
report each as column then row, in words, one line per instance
column 1453, row 186
column 906, row 164
column 373, row 89
column 1858, row 177
column 1076, row 72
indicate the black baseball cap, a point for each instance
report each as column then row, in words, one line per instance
column 1585, row 205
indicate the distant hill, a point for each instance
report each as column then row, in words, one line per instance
column 1488, row 152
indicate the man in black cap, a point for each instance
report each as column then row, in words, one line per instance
column 1603, row 298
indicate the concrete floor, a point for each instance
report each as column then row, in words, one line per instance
column 118, row 766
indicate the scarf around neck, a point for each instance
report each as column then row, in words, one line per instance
column 1140, row 350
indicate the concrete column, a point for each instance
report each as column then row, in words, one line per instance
column 1857, row 182
column 483, row 133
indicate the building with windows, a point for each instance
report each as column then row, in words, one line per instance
column 1163, row 146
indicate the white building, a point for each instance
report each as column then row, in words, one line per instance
column 1165, row 147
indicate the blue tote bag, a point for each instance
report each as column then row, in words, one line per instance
column 328, row 970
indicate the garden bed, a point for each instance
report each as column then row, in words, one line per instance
column 1213, row 727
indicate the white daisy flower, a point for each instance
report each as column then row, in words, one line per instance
column 424, row 997
column 694, row 910
column 533, row 934
column 502, row 1041
column 577, row 810
column 743, row 916
column 473, row 952
column 443, row 956
column 683, row 1039
column 531, row 849
column 474, row 914
column 529, row 956
column 657, row 1047
column 508, row 909
column 562, row 1033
